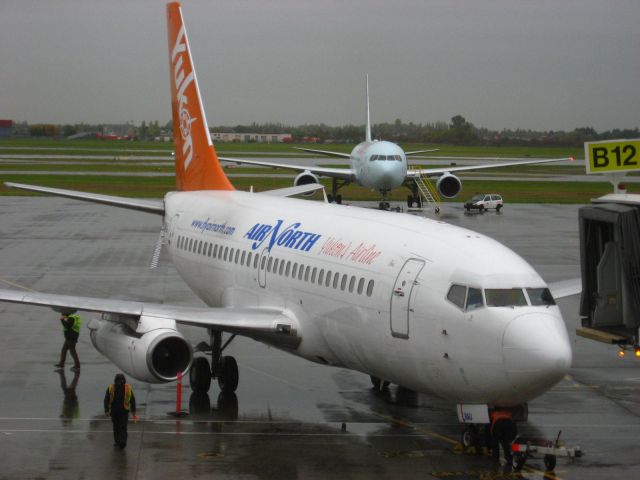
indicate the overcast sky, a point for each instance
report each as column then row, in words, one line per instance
column 538, row 64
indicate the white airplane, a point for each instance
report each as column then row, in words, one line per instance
column 432, row 307
column 381, row 166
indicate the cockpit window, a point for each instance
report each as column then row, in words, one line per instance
column 373, row 158
column 540, row 296
column 465, row 298
column 505, row 297
column 474, row 298
column 456, row 295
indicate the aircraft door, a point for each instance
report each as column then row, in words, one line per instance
column 401, row 297
column 262, row 267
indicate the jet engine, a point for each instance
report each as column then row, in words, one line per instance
column 305, row 178
column 149, row 349
column 448, row 185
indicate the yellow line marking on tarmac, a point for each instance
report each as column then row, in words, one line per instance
column 17, row 285
column 406, row 423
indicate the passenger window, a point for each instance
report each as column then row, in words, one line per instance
column 360, row 286
column 255, row 260
column 226, row 252
column 328, row 280
column 301, row 272
column 189, row 244
column 343, row 283
column 474, row 298
column 295, row 270
column 264, row 260
column 244, row 255
column 456, row 295
column 352, row 284
column 306, row 273
column 249, row 259
column 313, row 275
column 231, row 255
column 269, row 264
column 281, row 267
column 321, row 277
column 286, row 272
column 336, row 278
column 370, row 288
column 237, row 256
column 275, row 266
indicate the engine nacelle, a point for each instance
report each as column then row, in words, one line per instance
column 305, row 178
column 448, row 185
column 150, row 349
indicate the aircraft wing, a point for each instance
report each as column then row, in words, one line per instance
column 263, row 324
column 328, row 153
column 439, row 171
column 565, row 288
column 415, row 152
column 150, row 206
column 341, row 173
column 292, row 191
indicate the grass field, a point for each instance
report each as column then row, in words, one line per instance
column 96, row 173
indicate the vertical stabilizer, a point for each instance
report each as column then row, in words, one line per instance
column 368, row 127
column 197, row 165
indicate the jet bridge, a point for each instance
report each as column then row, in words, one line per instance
column 610, row 263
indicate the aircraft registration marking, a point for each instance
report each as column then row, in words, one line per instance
column 612, row 156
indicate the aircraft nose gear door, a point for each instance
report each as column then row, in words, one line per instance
column 401, row 297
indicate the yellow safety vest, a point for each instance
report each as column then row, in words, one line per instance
column 77, row 321
column 127, row 395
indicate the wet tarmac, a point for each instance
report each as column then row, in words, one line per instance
column 289, row 418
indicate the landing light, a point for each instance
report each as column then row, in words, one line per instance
column 637, row 352
column 621, row 353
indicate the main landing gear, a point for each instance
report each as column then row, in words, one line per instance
column 222, row 368
column 336, row 184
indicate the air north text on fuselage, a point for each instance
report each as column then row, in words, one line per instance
column 289, row 237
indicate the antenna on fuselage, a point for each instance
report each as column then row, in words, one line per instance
column 368, row 128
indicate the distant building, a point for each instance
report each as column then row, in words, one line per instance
column 251, row 137
column 6, row 128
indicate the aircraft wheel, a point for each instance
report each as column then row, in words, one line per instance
column 228, row 377
column 410, row 201
column 378, row 384
column 469, row 437
column 200, row 375
column 419, row 202
column 519, row 460
column 339, row 199
column 330, row 198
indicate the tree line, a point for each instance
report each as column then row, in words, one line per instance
column 459, row 131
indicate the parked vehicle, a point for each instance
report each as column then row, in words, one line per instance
column 484, row 201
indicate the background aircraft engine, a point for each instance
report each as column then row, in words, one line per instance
column 305, row 178
column 155, row 356
column 448, row 185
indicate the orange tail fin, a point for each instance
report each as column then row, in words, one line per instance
column 197, row 165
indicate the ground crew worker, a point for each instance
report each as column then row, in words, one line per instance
column 503, row 431
column 118, row 402
column 71, row 327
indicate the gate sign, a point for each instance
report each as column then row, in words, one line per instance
column 612, row 156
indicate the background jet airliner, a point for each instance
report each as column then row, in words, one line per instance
column 404, row 299
column 381, row 166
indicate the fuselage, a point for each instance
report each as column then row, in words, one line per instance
column 379, row 165
column 377, row 292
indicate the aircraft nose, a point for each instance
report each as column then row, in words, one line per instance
column 388, row 175
column 537, row 352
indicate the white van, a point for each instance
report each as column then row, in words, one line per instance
column 484, row 201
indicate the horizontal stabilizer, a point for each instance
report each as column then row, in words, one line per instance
column 150, row 206
column 565, row 288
